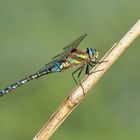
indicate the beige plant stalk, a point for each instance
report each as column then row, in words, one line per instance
column 89, row 81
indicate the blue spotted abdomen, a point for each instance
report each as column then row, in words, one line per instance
column 57, row 67
column 60, row 66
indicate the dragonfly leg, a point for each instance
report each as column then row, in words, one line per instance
column 80, row 80
column 87, row 69
column 96, row 62
column 74, row 73
column 96, row 70
column 92, row 65
column 80, row 73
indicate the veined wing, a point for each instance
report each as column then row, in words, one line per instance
column 49, row 65
column 61, row 55
column 69, row 48
column 74, row 44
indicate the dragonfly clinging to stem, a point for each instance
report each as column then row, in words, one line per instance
column 71, row 56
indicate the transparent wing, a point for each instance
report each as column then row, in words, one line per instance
column 69, row 48
column 74, row 44
column 61, row 55
column 49, row 65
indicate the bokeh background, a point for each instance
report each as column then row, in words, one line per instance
column 32, row 32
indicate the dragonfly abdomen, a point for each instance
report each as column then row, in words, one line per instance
column 59, row 66
column 56, row 67
column 22, row 82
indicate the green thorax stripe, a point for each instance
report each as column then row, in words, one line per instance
column 81, row 56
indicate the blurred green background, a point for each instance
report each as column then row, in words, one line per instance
column 32, row 32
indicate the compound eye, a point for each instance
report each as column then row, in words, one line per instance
column 91, row 51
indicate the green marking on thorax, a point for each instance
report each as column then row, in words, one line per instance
column 83, row 56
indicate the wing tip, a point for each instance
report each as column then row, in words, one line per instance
column 83, row 36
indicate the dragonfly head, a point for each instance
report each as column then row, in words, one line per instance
column 93, row 54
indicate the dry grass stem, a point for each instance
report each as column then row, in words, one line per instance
column 77, row 95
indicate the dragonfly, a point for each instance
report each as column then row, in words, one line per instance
column 71, row 56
